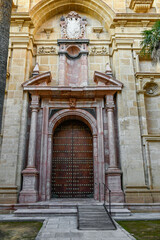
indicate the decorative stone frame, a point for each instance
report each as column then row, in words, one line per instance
column 55, row 120
column 106, row 86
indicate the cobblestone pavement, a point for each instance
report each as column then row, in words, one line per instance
column 58, row 228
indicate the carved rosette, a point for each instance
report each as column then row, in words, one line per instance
column 141, row 6
column 73, row 26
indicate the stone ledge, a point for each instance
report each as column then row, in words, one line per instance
column 147, row 74
column 142, row 196
column 8, row 194
column 44, row 212
column 8, row 189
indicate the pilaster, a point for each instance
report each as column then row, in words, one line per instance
column 10, row 162
column 128, row 117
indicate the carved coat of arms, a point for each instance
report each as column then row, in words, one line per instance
column 73, row 26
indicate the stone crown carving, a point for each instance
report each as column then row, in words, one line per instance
column 73, row 26
column 141, row 6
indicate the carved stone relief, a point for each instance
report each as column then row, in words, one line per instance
column 151, row 88
column 72, row 102
column 98, row 50
column 73, row 26
column 47, row 51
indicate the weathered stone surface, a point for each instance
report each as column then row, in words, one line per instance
column 127, row 138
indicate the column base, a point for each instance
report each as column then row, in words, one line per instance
column 29, row 193
column 28, row 197
column 113, row 181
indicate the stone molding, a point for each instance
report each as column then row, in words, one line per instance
column 147, row 74
column 69, row 113
column 132, row 19
column 41, row 80
column 141, row 6
column 105, row 85
column 106, row 80
column 46, row 8
column 91, row 122
column 18, row 18
column 151, row 138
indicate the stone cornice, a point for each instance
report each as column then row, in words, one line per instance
column 131, row 19
column 39, row 80
column 141, row 5
column 124, row 41
column 88, row 92
column 147, row 74
column 152, row 137
column 20, row 18
column 106, row 80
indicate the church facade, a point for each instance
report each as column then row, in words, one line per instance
column 82, row 107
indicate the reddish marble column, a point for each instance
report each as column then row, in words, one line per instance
column 96, row 179
column 29, row 193
column 113, row 174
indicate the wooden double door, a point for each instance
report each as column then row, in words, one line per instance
column 72, row 164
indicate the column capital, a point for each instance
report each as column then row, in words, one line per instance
column 110, row 105
column 35, row 102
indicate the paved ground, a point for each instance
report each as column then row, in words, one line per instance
column 140, row 216
column 65, row 228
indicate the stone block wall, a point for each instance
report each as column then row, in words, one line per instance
column 153, row 114
column 113, row 38
column 117, row 6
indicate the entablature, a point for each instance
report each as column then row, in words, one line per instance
column 105, row 85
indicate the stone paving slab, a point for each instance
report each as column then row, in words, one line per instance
column 139, row 216
column 66, row 229
column 55, row 228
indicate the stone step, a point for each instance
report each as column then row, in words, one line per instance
column 44, row 212
column 94, row 218
column 116, row 205
column 120, row 212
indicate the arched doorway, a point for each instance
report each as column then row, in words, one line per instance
column 72, row 162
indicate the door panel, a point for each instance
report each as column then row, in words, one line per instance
column 72, row 166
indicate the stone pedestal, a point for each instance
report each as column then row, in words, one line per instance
column 29, row 193
column 113, row 181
